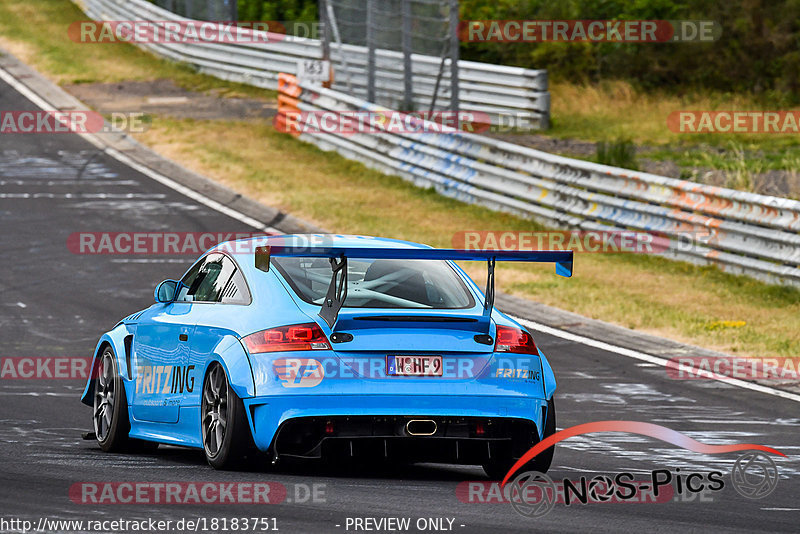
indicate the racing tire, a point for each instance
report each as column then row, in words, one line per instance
column 497, row 470
column 224, row 429
column 110, row 406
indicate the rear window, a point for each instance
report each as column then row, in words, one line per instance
column 380, row 283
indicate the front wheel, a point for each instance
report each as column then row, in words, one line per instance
column 497, row 469
column 111, row 423
column 223, row 424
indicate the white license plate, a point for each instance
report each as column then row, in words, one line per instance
column 397, row 365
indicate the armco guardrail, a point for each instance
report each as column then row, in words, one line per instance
column 740, row 232
column 499, row 91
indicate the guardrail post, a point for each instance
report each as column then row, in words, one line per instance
column 544, row 124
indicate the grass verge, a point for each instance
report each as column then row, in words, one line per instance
column 613, row 110
column 692, row 304
column 36, row 32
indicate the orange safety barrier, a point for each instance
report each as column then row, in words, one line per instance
column 288, row 104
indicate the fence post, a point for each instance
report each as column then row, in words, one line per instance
column 234, row 9
column 331, row 18
column 326, row 35
column 370, row 50
column 454, row 55
column 408, row 89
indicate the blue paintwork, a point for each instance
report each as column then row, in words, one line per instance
column 164, row 404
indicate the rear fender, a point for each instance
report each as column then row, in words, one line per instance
column 231, row 355
column 116, row 339
column 548, row 377
column 234, row 360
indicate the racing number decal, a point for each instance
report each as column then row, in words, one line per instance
column 163, row 379
column 299, row 372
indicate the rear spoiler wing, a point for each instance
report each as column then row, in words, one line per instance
column 337, row 291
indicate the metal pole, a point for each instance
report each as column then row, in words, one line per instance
column 454, row 55
column 326, row 34
column 439, row 74
column 234, row 10
column 338, row 38
column 408, row 90
column 370, row 50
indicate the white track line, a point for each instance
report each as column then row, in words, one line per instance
column 662, row 362
column 122, row 158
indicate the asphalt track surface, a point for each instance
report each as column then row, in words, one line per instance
column 57, row 303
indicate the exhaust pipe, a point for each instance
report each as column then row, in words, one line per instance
column 421, row 427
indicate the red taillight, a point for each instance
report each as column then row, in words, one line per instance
column 307, row 336
column 514, row 340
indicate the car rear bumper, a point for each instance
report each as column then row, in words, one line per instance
column 429, row 438
column 377, row 420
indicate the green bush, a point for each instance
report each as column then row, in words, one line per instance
column 617, row 153
column 758, row 51
column 280, row 10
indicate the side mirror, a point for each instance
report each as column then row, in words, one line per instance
column 166, row 291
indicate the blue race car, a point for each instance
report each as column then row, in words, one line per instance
column 323, row 346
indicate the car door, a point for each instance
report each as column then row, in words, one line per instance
column 162, row 343
column 214, row 321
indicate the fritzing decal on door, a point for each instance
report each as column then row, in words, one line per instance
column 164, row 379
